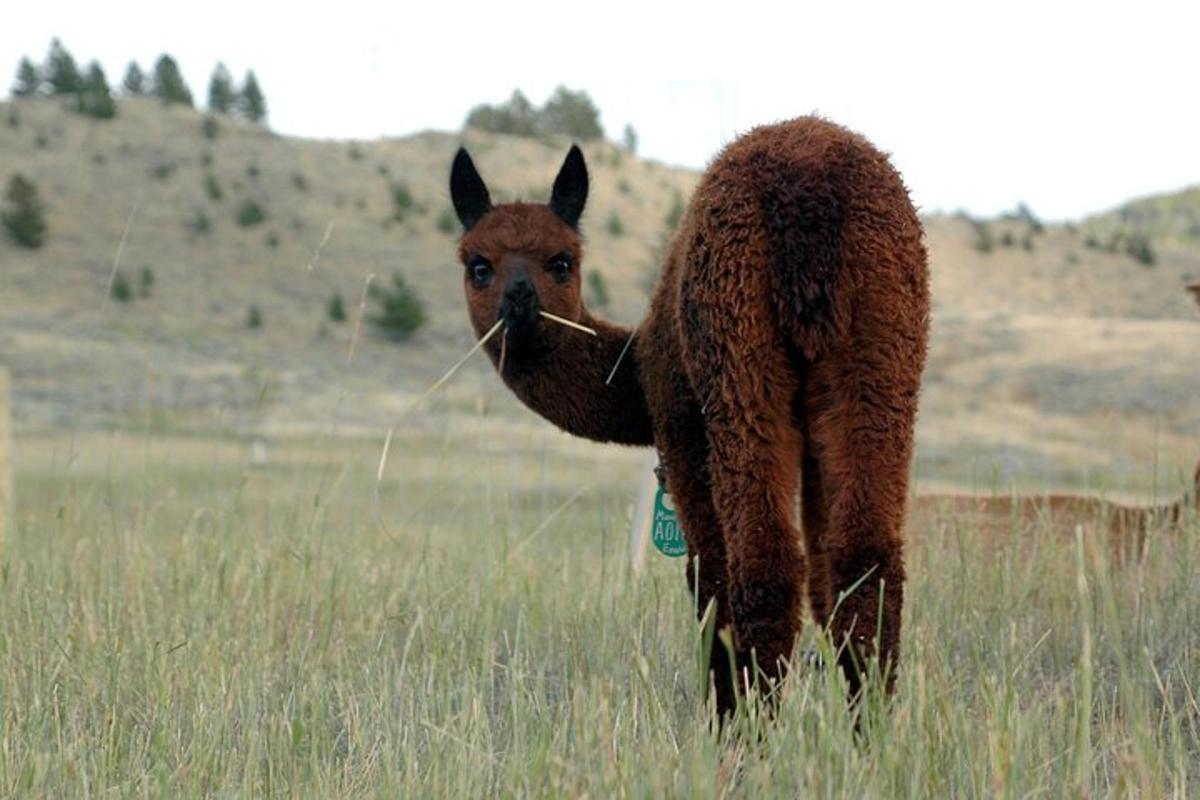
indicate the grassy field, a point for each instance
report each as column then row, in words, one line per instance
column 173, row 623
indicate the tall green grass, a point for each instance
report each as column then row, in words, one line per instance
column 174, row 624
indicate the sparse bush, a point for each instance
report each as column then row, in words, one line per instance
column 654, row 264
column 251, row 213
column 355, row 152
column 1137, row 246
column 447, row 223
column 272, row 240
column 1007, row 239
column 145, row 282
column 402, row 201
column 630, row 139
column 615, row 226
column 199, row 224
column 299, row 181
column 1027, row 241
column 212, row 187
column 14, row 118
column 401, row 312
column 675, row 212
column 254, row 318
column 984, row 242
column 402, row 196
column 337, row 308
column 210, row 127
column 25, row 216
column 597, row 289
column 1026, row 215
column 206, row 159
column 383, row 170
column 1091, row 242
column 252, row 171
column 160, row 172
column 122, row 292
column 623, row 186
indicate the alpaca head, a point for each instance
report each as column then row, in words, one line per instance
column 521, row 258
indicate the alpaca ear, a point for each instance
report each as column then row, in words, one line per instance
column 468, row 191
column 570, row 188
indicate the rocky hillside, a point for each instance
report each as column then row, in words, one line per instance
column 1055, row 346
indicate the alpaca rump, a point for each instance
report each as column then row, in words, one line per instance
column 782, row 355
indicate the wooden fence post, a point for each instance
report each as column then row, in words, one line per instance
column 6, row 481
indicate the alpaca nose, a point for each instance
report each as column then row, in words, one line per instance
column 519, row 306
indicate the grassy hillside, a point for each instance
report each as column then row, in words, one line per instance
column 187, row 346
column 1052, row 357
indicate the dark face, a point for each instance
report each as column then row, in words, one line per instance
column 520, row 259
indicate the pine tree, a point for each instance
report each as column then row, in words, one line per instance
column 168, row 82
column 135, row 81
column 221, row 96
column 61, row 72
column 28, row 82
column 25, row 219
column 95, row 99
column 251, row 102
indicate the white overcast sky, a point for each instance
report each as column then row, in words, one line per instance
column 1072, row 107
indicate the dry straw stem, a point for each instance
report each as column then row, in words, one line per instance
column 503, row 351
column 112, row 275
column 620, row 358
column 316, row 256
column 362, row 309
column 568, row 322
column 428, row 392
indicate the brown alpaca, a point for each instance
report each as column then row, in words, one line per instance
column 1195, row 290
column 995, row 517
column 787, row 336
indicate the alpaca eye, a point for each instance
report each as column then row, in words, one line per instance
column 560, row 267
column 481, row 272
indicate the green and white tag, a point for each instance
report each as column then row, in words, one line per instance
column 665, row 531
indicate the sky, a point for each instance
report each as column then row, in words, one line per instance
column 1070, row 107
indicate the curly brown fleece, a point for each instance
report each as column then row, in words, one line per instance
column 782, row 353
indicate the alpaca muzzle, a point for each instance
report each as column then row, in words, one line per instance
column 519, row 306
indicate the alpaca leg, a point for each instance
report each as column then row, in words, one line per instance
column 863, row 447
column 754, row 462
column 813, row 510
column 685, row 455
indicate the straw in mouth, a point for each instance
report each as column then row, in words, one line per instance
column 567, row 322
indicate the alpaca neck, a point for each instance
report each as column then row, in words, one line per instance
column 570, row 386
